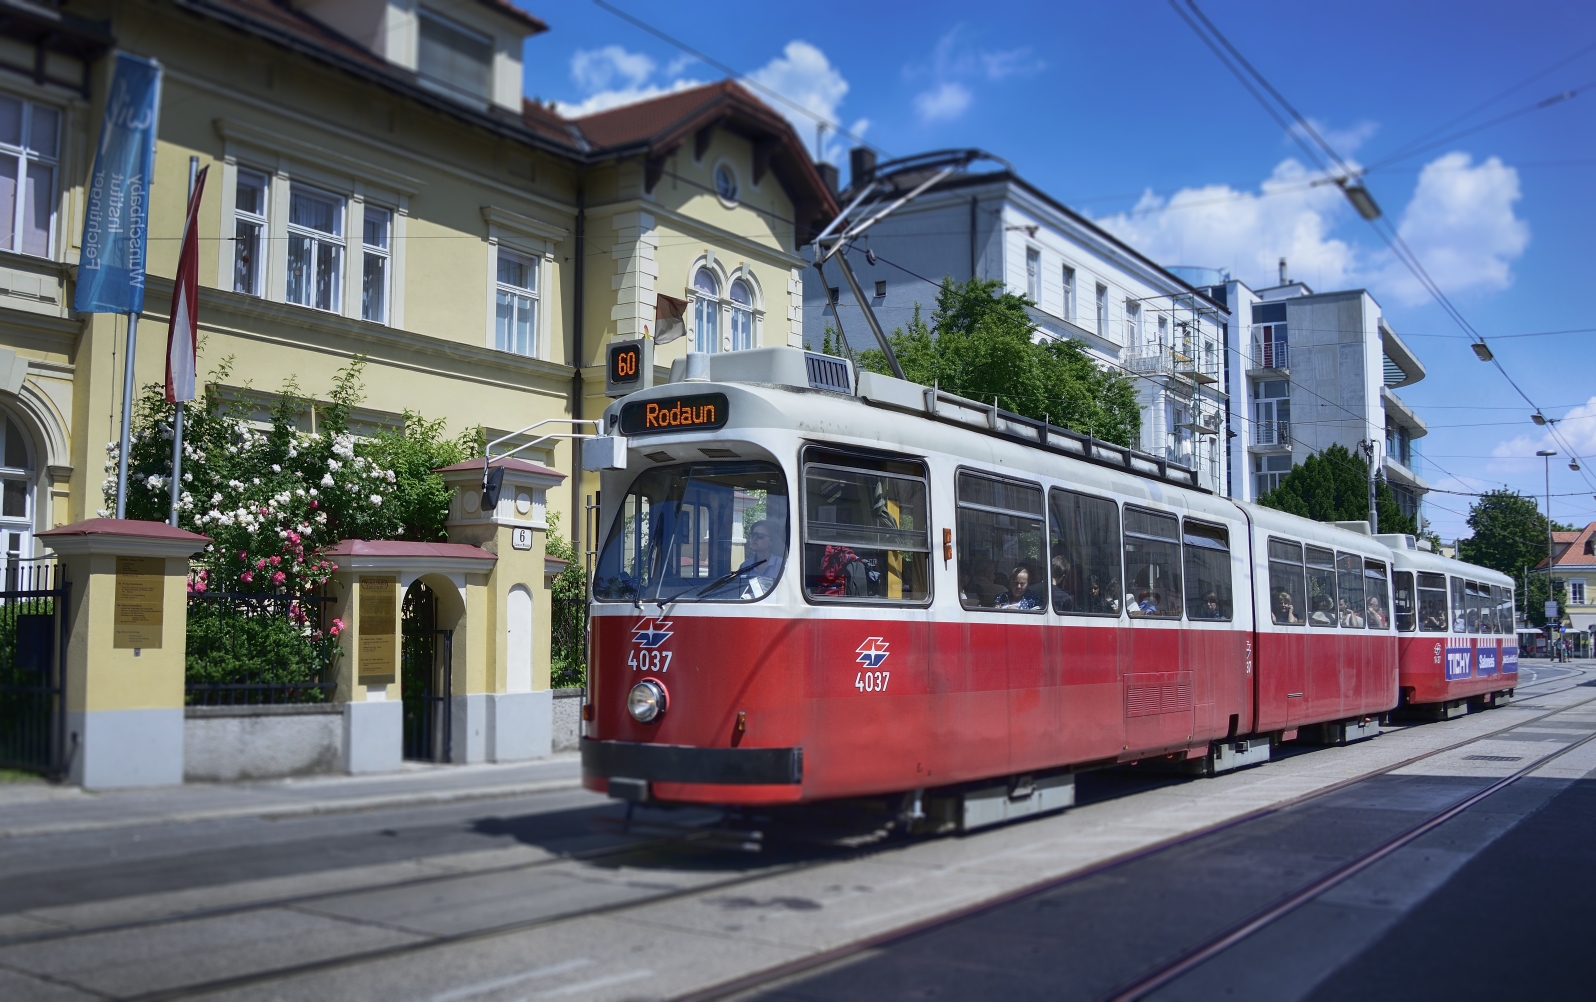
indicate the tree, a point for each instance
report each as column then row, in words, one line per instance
column 1509, row 536
column 980, row 343
column 1333, row 486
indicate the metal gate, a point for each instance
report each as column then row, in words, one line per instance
column 426, row 661
column 33, row 639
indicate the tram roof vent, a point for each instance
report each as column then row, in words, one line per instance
column 1397, row 540
column 1359, row 526
column 782, row 366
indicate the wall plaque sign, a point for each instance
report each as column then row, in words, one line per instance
column 140, row 597
column 521, row 539
column 378, row 657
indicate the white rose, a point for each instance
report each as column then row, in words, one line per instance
column 327, row 480
column 376, row 499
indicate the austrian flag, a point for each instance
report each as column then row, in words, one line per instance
column 181, row 346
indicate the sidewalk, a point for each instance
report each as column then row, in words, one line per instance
column 37, row 808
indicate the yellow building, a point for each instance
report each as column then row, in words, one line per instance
column 378, row 187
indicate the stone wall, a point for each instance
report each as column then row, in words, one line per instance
column 567, row 719
column 225, row 743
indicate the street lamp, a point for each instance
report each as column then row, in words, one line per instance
column 1551, row 603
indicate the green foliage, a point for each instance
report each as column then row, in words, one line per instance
column 980, row 343
column 1510, row 535
column 831, row 342
column 569, row 632
column 1333, row 486
column 226, row 644
column 419, row 501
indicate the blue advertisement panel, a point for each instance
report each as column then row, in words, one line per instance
column 1485, row 661
column 1459, row 663
column 116, row 218
column 1510, row 661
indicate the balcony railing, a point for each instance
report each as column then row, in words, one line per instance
column 1159, row 360
column 1271, row 433
column 1271, row 355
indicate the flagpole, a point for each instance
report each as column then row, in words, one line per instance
column 127, row 415
column 177, row 423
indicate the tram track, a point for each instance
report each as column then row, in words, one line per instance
column 750, row 986
column 427, row 942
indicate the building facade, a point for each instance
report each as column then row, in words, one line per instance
column 1574, row 568
column 380, row 189
column 1087, row 285
column 1309, row 370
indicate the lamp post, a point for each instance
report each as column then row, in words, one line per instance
column 1551, row 603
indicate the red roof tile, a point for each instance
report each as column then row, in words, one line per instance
column 518, row 465
column 406, row 548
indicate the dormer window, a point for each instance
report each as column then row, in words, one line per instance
column 455, row 57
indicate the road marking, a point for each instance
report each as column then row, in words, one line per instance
column 582, row 986
column 484, row 987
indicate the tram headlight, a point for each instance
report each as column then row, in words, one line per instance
column 646, row 702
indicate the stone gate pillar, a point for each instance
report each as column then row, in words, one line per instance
column 506, row 706
column 127, row 621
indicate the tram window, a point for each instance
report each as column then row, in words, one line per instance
column 1376, row 596
column 1471, row 598
column 1402, row 601
column 1207, row 571
column 1349, row 578
column 866, row 530
column 1152, row 564
column 1504, row 610
column 1286, row 604
column 701, row 532
column 1460, row 608
column 1432, row 602
column 1084, row 563
column 1000, row 545
column 1322, row 587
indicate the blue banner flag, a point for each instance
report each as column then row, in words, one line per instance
column 115, row 225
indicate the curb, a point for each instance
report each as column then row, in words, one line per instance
column 348, row 805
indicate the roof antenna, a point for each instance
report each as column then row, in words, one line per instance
column 1282, row 271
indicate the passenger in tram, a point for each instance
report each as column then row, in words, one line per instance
column 1324, row 611
column 1285, row 610
column 841, row 573
column 1019, row 594
column 1145, row 604
column 763, row 564
column 1432, row 618
column 1209, row 608
column 1063, row 580
column 1350, row 617
column 1378, row 620
column 1098, row 600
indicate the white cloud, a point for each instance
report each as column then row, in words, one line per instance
column 1012, row 63
column 945, row 100
column 802, row 74
column 599, row 69
column 1576, row 429
column 604, row 100
column 1344, row 141
column 1460, row 224
column 1246, row 232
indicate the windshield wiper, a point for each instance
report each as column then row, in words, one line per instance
column 723, row 579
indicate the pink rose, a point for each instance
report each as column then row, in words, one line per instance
column 337, row 627
column 279, row 578
column 276, row 561
column 247, row 577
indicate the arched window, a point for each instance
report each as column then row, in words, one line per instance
column 16, row 494
column 706, row 312
column 742, row 317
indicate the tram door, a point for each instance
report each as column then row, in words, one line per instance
column 1160, row 687
column 1280, row 657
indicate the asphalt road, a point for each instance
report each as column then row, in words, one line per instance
column 540, row 895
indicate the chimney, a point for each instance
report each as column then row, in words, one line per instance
column 861, row 166
column 828, row 174
column 1282, row 271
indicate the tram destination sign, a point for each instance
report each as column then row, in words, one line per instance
column 695, row 412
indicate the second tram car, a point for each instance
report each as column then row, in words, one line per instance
column 815, row 585
column 1457, row 642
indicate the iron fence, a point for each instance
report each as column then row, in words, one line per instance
column 569, row 641
column 33, row 639
column 249, row 648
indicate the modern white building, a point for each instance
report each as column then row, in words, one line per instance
column 1308, row 370
column 1088, row 285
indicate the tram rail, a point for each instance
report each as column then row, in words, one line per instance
column 688, row 837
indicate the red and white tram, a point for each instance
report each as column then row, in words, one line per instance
column 816, row 586
column 1457, row 642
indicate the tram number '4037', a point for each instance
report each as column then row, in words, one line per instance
column 649, row 661
column 872, row 681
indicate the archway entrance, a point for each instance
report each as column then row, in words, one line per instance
column 426, row 657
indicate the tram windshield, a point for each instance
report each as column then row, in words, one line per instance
column 703, row 532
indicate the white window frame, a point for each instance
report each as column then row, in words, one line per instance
column 1133, row 323
column 1068, row 276
column 338, row 241
column 262, row 222
column 531, row 294
column 384, row 254
column 1576, row 591
column 23, row 155
column 706, row 307
column 22, row 524
column 1102, row 310
column 1033, row 274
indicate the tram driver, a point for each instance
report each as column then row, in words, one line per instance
column 763, row 564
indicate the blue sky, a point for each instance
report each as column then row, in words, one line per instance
column 1119, row 111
